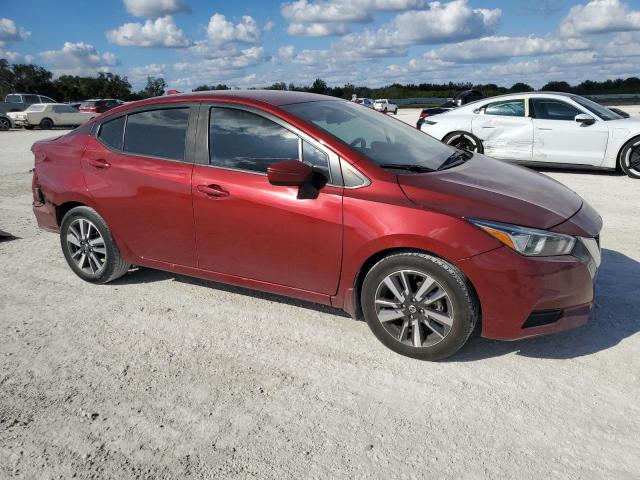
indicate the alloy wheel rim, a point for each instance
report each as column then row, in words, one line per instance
column 86, row 246
column 4, row 124
column 633, row 159
column 463, row 142
column 414, row 308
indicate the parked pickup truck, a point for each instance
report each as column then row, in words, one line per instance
column 384, row 105
column 18, row 102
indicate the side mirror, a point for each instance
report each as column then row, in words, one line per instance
column 289, row 173
column 585, row 119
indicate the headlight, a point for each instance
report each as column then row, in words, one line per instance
column 528, row 241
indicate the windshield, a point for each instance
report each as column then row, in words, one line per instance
column 381, row 139
column 36, row 107
column 603, row 112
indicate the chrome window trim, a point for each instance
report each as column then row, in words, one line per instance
column 334, row 159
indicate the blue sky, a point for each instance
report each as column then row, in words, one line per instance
column 365, row 42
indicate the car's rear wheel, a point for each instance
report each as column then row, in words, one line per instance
column 89, row 247
column 419, row 305
column 464, row 141
column 630, row 158
column 5, row 124
column 46, row 124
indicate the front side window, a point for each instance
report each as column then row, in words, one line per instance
column 547, row 109
column 381, row 139
column 31, row 99
column 245, row 141
column 507, row 108
column 157, row 133
column 316, row 158
column 112, row 133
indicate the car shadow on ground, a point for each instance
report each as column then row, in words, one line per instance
column 616, row 317
column 148, row 275
column 580, row 171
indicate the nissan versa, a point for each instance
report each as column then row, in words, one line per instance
column 327, row 201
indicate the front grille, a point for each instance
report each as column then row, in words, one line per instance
column 542, row 317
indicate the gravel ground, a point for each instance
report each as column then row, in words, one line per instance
column 163, row 376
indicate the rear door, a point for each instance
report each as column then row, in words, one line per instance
column 505, row 129
column 247, row 227
column 138, row 170
column 558, row 138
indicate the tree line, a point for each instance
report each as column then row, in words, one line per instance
column 31, row 78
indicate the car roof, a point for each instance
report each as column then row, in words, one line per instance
column 272, row 97
column 530, row 94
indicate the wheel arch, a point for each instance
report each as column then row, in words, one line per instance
column 635, row 138
column 63, row 209
column 374, row 258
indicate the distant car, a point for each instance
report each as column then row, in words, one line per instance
column 462, row 97
column 620, row 112
column 18, row 102
column 384, row 105
column 99, row 105
column 367, row 102
column 49, row 115
column 5, row 122
column 543, row 129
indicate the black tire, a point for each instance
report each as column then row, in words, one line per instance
column 464, row 141
column 46, row 124
column 5, row 124
column 629, row 158
column 464, row 308
column 113, row 267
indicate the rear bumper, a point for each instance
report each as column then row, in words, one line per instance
column 512, row 287
column 46, row 216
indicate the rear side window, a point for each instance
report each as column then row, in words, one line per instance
column 157, row 133
column 554, row 110
column 507, row 108
column 111, row 133
column 246, row 141
column 14, row 99
column 32, row 99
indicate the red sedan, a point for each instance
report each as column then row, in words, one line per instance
column 324, row 200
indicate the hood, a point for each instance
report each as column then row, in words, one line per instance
column 491, row 189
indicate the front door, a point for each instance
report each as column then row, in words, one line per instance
column 558, row 138
column 505, row 129
column 140, row 180
column 249, row 228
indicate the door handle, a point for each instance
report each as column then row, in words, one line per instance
column 545, row 128
column 99, row 163
column 486, row 126
column 213, row 191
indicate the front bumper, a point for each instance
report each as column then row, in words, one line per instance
column 513, row 288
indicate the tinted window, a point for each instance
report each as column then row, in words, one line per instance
column 31, row 99
column 157, row 133
column 381, row 139
column 63, row 109
column 47, row 100
column 111, row 133
column 508, row 108
column 554, row 110
column 316, row 158
column 246, row 141
column 13, row 99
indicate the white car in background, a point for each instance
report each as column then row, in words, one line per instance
column 49, row 115
column 543, row 129
column 384, row 105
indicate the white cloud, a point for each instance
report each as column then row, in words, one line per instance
column 155, row 8
column 600, row 16
column 220, row 30
column 493, row 48
column 268, row 26
column 10, row 32
column 78, row 59
column 15, row 57
column 440, row 23
column 161, row 32
column 317, row 29
column 138, row 75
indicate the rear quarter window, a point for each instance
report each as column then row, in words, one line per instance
column 112, row 133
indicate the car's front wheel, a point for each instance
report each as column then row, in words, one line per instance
column 5, row 124
column 419, row 305
column 89, row 247
column 630, row 158
column 464, row 141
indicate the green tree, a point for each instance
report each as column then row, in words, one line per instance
column 521, row 87
column 155, row 87
column 319, row 86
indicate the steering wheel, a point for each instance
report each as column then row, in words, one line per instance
column 359, row 140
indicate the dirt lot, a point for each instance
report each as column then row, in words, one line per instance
column 163, row 376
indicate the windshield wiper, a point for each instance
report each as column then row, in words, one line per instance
column 406, row 166
column 456, row 159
